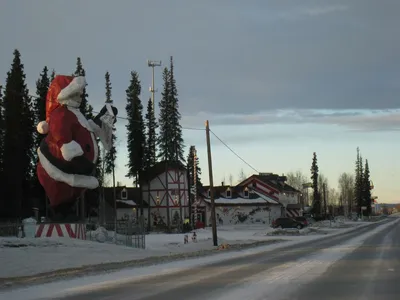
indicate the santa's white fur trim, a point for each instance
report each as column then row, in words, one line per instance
column 100, row 134
column 74, row 88
column 95, row 147
column 43, row 127
column 71, row 150
column 81, row 118
column 87, row 125
column 74, row 102
column 74, row 180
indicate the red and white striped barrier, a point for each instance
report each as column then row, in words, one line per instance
column 292, row 212
column 73, row 231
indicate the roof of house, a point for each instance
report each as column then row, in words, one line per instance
column 159, row 168
column 293, row 206
column 236, row 197
column 237, row 201
column 275, row 181
column 133, row 197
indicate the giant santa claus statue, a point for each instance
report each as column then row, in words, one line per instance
column 69, row 152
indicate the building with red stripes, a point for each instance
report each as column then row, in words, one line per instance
column 263, row 192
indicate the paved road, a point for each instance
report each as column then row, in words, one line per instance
column 371, row 272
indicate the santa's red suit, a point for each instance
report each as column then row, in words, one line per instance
column 68, row 154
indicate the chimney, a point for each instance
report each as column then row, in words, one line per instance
column 222, row 183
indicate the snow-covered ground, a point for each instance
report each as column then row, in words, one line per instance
column 275, row 282
column 27, row 257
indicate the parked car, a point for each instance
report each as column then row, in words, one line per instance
column 302, row 220
column 286, row 223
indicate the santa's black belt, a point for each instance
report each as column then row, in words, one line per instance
column 79, row 165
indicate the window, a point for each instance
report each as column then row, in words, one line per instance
column 209, row 194
column 246, row 193
column 124, row 194
column 228, row 194
column 254, row 184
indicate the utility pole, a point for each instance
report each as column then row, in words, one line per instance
column 210, row 174
column 152, row 64
column 324, row 191
column 194, row 154
column 115, row 203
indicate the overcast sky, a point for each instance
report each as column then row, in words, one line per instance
column 278, row 80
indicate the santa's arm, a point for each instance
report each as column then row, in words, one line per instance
column 60, row 127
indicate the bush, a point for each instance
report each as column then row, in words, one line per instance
column 186, row 227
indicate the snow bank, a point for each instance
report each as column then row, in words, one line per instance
column 27, row 257
column 297, row 232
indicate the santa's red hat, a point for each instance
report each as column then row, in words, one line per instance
column 61, row 89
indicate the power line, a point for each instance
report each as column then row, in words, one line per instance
column 118, row 117
column 237, row 155
column 186, row 128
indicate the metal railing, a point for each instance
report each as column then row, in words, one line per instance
column 127, row 233
column 10, row 229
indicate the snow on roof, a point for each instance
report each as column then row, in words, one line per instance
column 127, row 202
column 237, row 201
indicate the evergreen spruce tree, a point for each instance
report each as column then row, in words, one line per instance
column 18, row 140
column 1, row 138
column 361, row 183
column 358, row 183
column 150, row 156
column 1, row 130
column 170, row 139
column 316, row 194
column 135, row 128
column 53, row 74
column 190, row 169
column 176, row 218
column 85, row 108
column 367, row 189
column 39, row 108
column 111, row 155
column 175, row 116
column 164, row 137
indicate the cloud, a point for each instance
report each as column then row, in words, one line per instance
column 231, row 57
column 360, row 120
column 316, row 11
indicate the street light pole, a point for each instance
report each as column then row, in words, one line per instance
column 152, row 64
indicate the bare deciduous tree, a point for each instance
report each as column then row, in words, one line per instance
column 333, row 197
column 297, row 179
column 242, row 175
column 230, row 179
column 346, row 190
column 321, row 181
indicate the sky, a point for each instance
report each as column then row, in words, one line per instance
column 278, row 80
